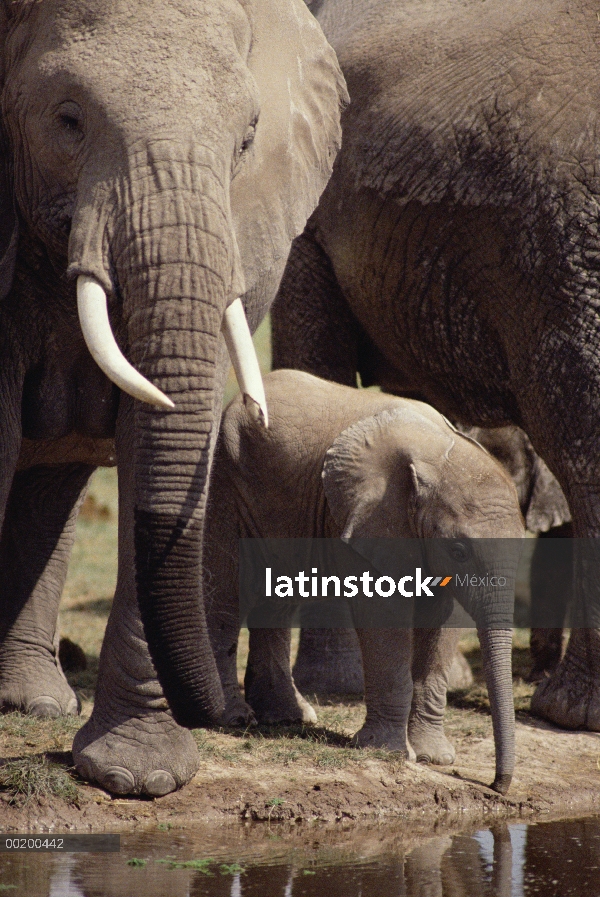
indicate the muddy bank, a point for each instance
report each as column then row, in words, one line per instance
column 558, row 774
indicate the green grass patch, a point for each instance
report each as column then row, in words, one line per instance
column 34, row 777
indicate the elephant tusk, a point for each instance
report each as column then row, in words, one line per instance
column 245, row 363
column 99, row 338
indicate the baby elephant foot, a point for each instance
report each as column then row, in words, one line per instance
column 147, row 755
column 379, row 735
column 279, row 707
column 431, row 745
column 36, row 686
column 237, row 713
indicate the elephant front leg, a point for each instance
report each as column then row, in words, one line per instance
column 433, row 655
column 386, row 655
column 37, row 537
column 131, row 744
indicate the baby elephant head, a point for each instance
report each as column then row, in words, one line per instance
column 406, row 472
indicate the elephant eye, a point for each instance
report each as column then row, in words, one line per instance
column 70, row 122
column 459, row 551
column 249, row 137
column 70, row 118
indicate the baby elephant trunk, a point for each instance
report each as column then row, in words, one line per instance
column 496, row 649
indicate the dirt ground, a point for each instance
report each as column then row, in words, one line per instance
column 298, row 776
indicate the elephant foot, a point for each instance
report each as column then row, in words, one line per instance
column 431, row 745
column 35, row 685
column 570, row 696
column 237, row 713
column 149, row 754
column 279, row 706
column 379, row 735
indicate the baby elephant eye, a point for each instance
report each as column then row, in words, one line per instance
column 459, row 551
column 70, row 118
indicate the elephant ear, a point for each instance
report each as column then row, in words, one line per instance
column 541, row 498
column 547, row 506
column 369, row 477
column 9, row 228
column 298, row 135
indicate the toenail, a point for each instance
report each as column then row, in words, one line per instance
column 44, row 706
column 74, row 707
column 159, row 783
column 118, row 780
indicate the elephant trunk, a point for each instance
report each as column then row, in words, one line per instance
column 166, row 250
column 177, row 273
column 496, row 650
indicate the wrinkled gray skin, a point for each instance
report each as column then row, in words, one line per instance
column 454, row 254
column 171, row 150
column 328, row 661
column 366, row 465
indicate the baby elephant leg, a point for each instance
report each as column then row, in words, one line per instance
column 224, row 630
column 269, row 685
column 433, row 653
column 386, row 657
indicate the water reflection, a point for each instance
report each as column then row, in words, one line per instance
column 556, row 859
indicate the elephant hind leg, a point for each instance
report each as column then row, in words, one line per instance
column 270, row 688
column 551, row 594
column 329, row 662
column 313, row 328
column 37, row 537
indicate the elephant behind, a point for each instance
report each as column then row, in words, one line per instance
column 156, row 160
column 455, row 250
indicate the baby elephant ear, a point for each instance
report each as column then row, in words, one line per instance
column 366, row 477
column 541, row 498
column 424, row 481
column 298, row 134
column 353, row 482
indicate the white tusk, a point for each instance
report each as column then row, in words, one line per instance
column 98, row 335
column 245, row 363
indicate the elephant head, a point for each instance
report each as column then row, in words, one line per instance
column 161, row 155
column 408, row 473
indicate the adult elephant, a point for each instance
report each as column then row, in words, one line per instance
column 454, row 254
column 162, row 155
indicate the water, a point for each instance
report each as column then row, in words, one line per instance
column 556, row 859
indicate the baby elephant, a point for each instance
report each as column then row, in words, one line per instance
column 334, row 462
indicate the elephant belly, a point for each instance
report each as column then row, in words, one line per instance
column 405, row 272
